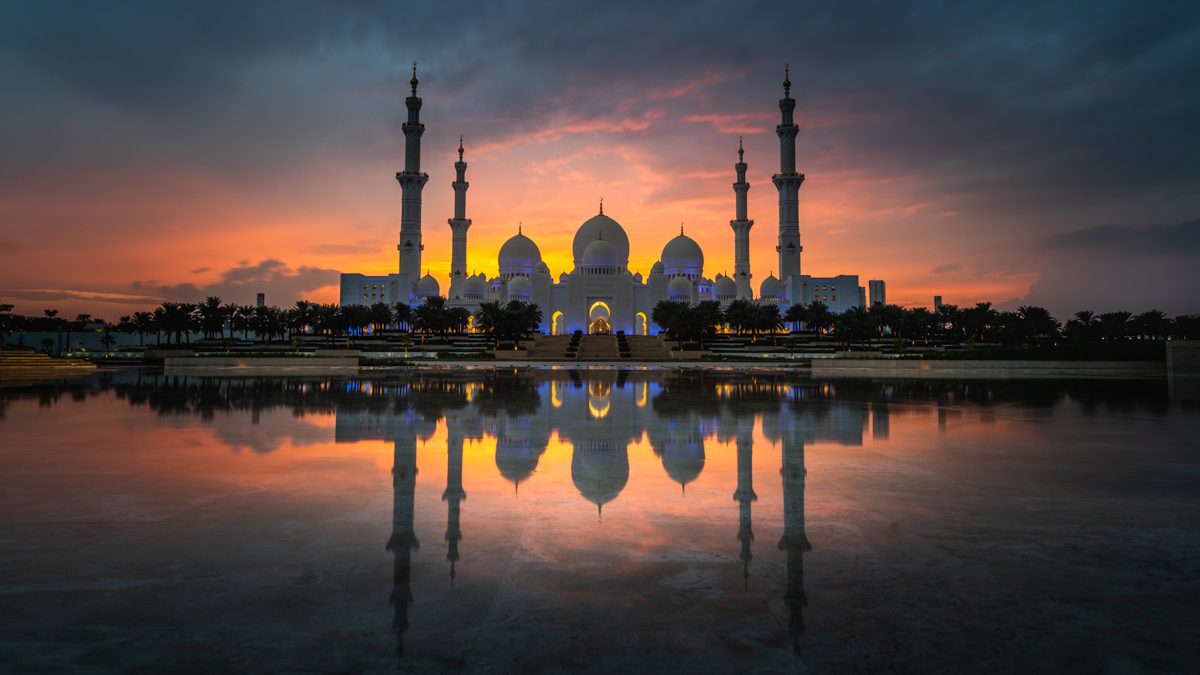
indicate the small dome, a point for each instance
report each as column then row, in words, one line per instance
column 519, row 252
column 656, row 268
column 592, row 230
column 683, row 461
column 516, row 459
column 599, row 472
column 427, row 287
column 599, row 255
column 725, row 288
column 519, row 288
column 562, row 278
column 474, row 287
column 637, row 278
column 770, row 288
column 680, row 289
column 682, row 253
column 542, row 268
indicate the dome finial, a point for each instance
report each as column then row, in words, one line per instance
column 740, row 150
column 599, row 235
column 519, row 223
column 787, row 81
column 460, row 148
column 602, row 206
column 681, row 229
column 413, row 81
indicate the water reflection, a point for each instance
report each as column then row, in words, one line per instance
column 685, row 418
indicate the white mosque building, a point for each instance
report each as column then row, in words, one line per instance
column 600, row 294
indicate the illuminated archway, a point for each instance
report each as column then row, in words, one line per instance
column 599, row 316
column 556, row 324
column 640, row 327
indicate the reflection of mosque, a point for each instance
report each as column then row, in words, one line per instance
column 599, row 417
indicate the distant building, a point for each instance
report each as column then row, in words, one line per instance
column 862, row 297
column 937, row 302
column 878, row 291
column 262, row 299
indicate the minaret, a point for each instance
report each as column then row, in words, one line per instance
column 745, row 492
column 459, row 224
column 787, row 181
column 741, row 232
column 404, row 540
column 794, row 543
column 454, row 493
column 412, row 182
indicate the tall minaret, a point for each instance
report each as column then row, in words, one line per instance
column 412, row 182
column 787, row 181
column 745, row 492
column 459, row 224
column 741, row 232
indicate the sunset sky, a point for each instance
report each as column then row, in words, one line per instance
column 1019, row 152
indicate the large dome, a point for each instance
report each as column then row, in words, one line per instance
column 519, row 252
column 599, row 255
column 518, row 289
column 682, row 255
column 680, row 289
column 595, row 228
column 427, row 287
column 474, row 287
column 725, row 288
column 770, row 288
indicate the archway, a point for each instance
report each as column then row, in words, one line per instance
column 599, row 317
column 640, row 324
column 556, row 327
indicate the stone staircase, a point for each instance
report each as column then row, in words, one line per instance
column 599, row 348
column 549, row 348
column 647, row 348
column 14, row 360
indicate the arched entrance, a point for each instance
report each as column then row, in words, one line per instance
column 640, row 324
column 598, row 319
column 556, row 324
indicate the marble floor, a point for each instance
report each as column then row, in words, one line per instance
column 531, row 521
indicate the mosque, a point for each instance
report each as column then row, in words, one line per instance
column 600, row 294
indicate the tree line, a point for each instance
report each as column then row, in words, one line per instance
column 213, row 319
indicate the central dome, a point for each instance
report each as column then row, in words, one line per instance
column 595, row 228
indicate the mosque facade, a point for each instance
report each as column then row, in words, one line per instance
column 600, row 293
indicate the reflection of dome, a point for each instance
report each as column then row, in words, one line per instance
column 516, row 460
column 518, row 288
column 656, row 268
column 683, row 462
column 682, row 255
column 519, row 253
column 725, row 288
column 770, row 288
column 680, row 289
column 613, row 233
column 474, row 287
column 599, row 471
column 599, row 258
column 428, row 287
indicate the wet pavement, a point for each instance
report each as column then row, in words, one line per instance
column 529, row 520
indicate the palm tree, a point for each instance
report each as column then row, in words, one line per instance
column 706, row 316
column 403, row 314
column 1038, row 322
column 354, row 318
column 1114, row 324
column 143, row 322
column 767, row 319
column 739, row 315
column 381, row 316
column 796, row 315
column 1153, row 323
column 820, row 317
column 490, row 319
column 459, row 319
column 671, row 316
column 302, row 316
column 523, row 318
column 212, row 319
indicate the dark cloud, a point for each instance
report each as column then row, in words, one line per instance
column 200, row 270
column 241, row 284
column 948, row 267
column 1183, row 238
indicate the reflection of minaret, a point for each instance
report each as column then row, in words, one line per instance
column 454, row 493
column 745, row 492
column 404, row 539
column 412, row 182
column 794, row 543
column 459, row 225
column 787, row 181
column 741, row 232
